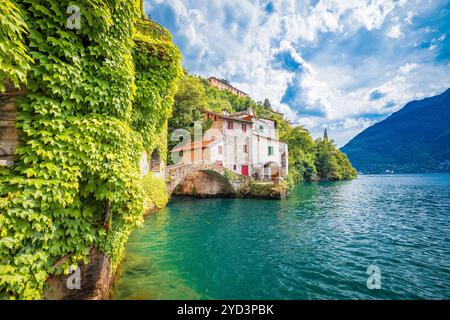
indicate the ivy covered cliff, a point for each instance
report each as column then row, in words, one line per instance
column 91, row 100
column 309, row 159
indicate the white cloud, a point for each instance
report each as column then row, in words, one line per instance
column 216, row 44
column 288, row 112
column 407, row 68
column 238, row 40
column 395, row 32
column 343, row 111
column 436, row 41
column 303, row 23
column 409, row 16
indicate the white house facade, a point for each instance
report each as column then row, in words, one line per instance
column 241, row 142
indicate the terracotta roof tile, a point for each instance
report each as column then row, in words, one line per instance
column 194, row 145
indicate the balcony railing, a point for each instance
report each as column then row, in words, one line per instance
column 153, row 29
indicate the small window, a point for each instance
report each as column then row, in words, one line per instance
column 220, row 150
column 270, row 151
column 215, row 118
column 244, row 127
column 234, row 167
column 245, row 148
column 261, row 129
column 230, row 125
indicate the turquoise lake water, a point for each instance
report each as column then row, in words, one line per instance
column 316, row 244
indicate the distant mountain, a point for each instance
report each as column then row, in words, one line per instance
column 414, row 139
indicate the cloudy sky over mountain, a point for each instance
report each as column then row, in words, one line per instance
column 330, row 63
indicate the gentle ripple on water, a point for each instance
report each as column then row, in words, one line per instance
column 316, row 244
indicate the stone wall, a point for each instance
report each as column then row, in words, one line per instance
column 9, row 135
column 207, row 179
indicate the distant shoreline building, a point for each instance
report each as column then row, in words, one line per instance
column 225, row 85
column 241, row 142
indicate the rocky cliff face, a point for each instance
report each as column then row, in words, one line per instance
column 92, row 281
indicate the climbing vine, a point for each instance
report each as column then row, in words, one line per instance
column 14, row 60
column 156, row 193
column 93, row 108
column 156, row 72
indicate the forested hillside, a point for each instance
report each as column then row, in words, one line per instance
column 414, row 139
column 308, row 159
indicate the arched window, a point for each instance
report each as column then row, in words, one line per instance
column 271, row 170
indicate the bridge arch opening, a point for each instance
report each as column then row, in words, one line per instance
column 204, row 184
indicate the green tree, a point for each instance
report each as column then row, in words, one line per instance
column 331, row 163
column 190, row 100
column 326, row 161
column 267, row 104
column 346, row 169
column 301, row 152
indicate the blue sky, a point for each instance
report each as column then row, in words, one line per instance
column 343, row 65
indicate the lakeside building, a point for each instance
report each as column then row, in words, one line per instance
column 241, row 142
column 225, row 85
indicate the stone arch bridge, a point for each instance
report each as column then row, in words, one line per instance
column 206, row 179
